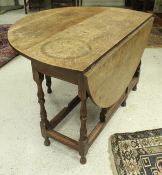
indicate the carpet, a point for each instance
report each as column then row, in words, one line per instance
column 155, row 39
column 6, row 51
column 138, row 153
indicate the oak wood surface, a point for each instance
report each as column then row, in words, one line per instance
column 107, row 80
column 110, row 111
column 74, row 37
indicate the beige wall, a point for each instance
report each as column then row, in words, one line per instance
column 104, row 2
column 9, row 2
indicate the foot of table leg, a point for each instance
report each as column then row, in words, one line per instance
column 44, row 124
column 124, row 103
column 135, row 88
column 47, row 142
column 103, row 114
column 137, row 75
column 48, row 84
column 83, row 145
column 83, row 141
column 83, row 160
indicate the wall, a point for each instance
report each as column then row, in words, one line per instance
column 85, row 2
column 104, row 2
column 9, row 2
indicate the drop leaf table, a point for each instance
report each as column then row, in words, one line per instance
column 98, row 49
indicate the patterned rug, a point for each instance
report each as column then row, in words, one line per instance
column 138, row 153
column 155, row 39
column 6, row 51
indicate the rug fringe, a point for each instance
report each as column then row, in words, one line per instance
column 112, row 161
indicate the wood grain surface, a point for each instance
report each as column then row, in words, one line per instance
column 74, row 37
column 109, row 78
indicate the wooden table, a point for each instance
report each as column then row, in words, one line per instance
column 96, row 48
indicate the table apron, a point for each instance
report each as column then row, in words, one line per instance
column 70, row 76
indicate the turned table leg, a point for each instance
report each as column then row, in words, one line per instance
column 137, row 75
column 103, row 114
column 44, row 123
column 83, row 132
column 48, row 84
column 25, row 6
column 83, row 140
column 124, row 102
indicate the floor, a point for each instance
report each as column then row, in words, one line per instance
column 21, row 146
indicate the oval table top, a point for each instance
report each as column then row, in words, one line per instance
column 74, row 37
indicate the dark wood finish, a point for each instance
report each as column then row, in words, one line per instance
column 27, row 3
column 124, row 103
column 103, row 114
column 126, row 95
column 158, row 19
column 137, row 75
column 56, row 72
column 95, row 132
column 25, row 6
column 48, row 84
column 44, row 123
column 63, row 139
column 83, row 140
